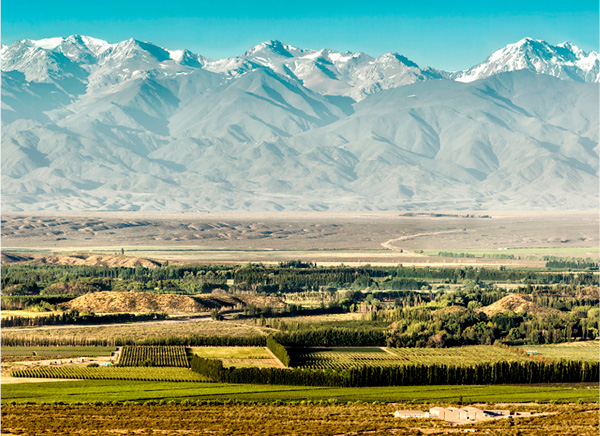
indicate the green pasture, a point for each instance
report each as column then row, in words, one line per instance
column 89, row 391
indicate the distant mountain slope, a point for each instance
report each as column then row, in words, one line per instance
column 89, row 125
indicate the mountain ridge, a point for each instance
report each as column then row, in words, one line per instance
column 133, row 126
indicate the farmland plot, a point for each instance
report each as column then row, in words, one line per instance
column 113, row 373
column 239, row 357
column 172, row 356
column 582, row 350
column 469, row 355
column 344, row 358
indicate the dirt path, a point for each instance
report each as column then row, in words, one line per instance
column 389, row 244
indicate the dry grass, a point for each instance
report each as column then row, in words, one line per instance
column 235, row 419
column 240, row 357
column 231, row 352
column 251, row 363
column 136, row 332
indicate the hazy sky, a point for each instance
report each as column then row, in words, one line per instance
column 443, row 34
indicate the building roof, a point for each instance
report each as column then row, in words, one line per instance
column 471, row 409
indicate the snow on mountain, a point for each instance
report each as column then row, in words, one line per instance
column 91, row 125
column 353, row 75
column 565, row 61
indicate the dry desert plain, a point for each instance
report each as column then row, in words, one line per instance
column 377, row 238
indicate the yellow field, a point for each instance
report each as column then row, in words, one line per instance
column 231, row 352
column 239, row 357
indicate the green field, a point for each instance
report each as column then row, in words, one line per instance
column 342, row 358
column 57, row 352
column 585, row 350
column 170, row 356
column 87, row 391
column 112, row 373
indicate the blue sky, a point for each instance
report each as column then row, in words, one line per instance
column 442, row 34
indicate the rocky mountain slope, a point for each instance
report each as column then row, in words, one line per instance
column 88, row 125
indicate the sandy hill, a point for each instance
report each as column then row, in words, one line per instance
column 87, row 259
column 516, row 303
column 121, row 302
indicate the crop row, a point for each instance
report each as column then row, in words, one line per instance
column 343, row 360
column 112, row 373
column 404, row 356
column 171, row 356
column 458, row 355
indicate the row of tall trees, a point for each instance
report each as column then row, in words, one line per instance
column 28, row 340
column 332, row 337
column 485, row 373
column 433, row 374
column 278, row 350
column 75, row 317
column 214, row 369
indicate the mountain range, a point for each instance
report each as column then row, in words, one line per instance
column 88, row 125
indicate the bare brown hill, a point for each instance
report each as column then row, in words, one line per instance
column 516, row 303
column 88, row 259
column 139, row 302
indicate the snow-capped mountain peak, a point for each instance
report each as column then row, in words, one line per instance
column 565, row 61
column 395, row 58
column 47, row 43
column 274, row 47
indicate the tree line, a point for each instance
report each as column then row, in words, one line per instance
column 75, row 317
column 80, row 279
column 278, row 350
column 526, row 372
column 29, row 340
column 332, row 337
